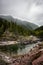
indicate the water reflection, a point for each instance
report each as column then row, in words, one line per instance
column 17, row 48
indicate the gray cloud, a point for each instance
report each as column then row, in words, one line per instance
column 29, row 10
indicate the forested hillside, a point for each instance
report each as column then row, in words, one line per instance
column 25, row 24
column 6, row 26
column 39, row 32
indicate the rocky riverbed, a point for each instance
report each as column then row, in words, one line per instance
column 23, row 40
column 34, row 57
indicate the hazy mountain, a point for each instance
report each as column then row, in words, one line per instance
column 39, row 28
column 25, row 24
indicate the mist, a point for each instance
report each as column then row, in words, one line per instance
column 28, row 10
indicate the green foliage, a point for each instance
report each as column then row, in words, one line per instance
column 12, row 48
column 12, row 27
column 6, row 26
column 9, row 48
column 39, row 32
column 1, row 30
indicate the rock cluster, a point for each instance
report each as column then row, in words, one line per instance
column 35, row 57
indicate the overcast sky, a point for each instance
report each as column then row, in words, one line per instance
column 29, row 10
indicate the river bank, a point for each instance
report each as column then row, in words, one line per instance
column 32, row 58
column 21, row 39
column 23, row 51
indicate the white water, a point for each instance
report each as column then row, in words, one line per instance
column 26, row 49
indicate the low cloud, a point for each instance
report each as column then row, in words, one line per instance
column 29, row 10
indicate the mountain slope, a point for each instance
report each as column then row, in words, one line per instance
column 12, row 28
column 25, row 24
column 39, row 32
column 40, row 28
